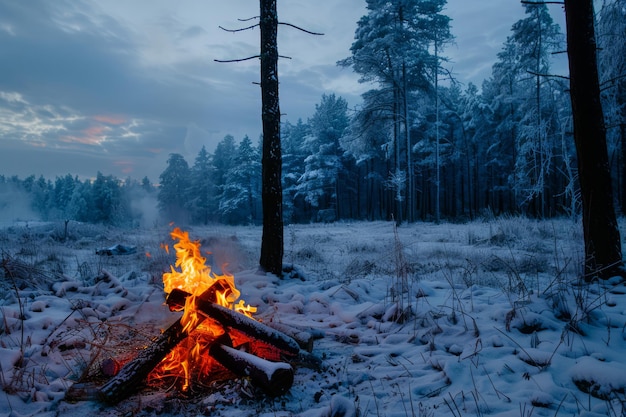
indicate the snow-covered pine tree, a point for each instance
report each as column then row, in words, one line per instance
column 294, row 153
column 611, row 33
column 319, row 182
column 393, row 48
column 242, row 188
column 173, row 190
column 202, row 191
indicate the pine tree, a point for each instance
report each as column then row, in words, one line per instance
column 241, row 190
column 223, row 160
column 202, row 194
column 272, row 248
column 535, row 38
column 319, row 182
column 393, row 49
column 612, row 67
column 294, row 153
column 173, row 189
column 603, row 246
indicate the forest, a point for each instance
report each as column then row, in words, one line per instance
column 420, row 146
column 434, row 263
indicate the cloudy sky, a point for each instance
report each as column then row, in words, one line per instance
column 116, row 86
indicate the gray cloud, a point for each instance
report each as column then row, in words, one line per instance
column 117, row 86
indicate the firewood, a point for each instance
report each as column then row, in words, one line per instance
column 134, row 372
column 274, row 378
column 303, row 338
column 231, row 319
column 308, row 360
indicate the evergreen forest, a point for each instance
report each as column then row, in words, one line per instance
column 420, row 146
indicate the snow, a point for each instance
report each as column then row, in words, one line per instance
column 485, row 318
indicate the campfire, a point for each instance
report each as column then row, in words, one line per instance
column 216, row 334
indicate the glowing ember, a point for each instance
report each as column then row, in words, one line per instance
column 192, row 275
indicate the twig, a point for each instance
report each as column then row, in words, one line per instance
column 534, row 362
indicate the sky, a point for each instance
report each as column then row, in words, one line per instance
column 116, row 86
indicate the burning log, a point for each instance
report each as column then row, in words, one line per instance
column 134, row 372
column 267, row 346
column 274, row 378
column 233, row 320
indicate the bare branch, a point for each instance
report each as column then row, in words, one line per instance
column 541, row 2
column 249, row 19
column 237, row 60
column 240, row 29
column 246, row 59
column 547, row 75
column 299, row 28
column 257, row 25
column 610, row 83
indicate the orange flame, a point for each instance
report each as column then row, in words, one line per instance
column 192, row 275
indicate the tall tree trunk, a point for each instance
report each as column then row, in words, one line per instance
column 603, row 252
column 622, row 130
column 272, row 193
column 437, row 154
column 410, row 216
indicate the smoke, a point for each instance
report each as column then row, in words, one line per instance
column 15, row 205
column 144, row 208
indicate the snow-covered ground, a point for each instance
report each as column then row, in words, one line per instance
column 486, row 318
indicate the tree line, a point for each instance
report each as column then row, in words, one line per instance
column 104, row 199
column 420, row 146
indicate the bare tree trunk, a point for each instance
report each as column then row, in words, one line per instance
column 622, row 130
column 409, row 162
column 603, row 252
column 272, row 193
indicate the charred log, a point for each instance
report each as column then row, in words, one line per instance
column 133, row 373
column 274, row 378
column 303, row 338
column 231, row 319
column 130, row 377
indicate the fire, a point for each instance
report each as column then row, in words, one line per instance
column 192, row 275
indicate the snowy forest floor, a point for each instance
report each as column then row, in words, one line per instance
column 487, row 318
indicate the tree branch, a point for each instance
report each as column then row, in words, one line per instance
column 240, row 29
column 547, row 75
column 609, row 83
column 257, row 25
column 237, row 60
column 222, row 61
column 301, row 29
column 252, row 27
column 541, row 2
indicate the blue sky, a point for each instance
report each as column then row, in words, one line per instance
column 116, row 86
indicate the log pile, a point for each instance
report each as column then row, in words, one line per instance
column 271, row 372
